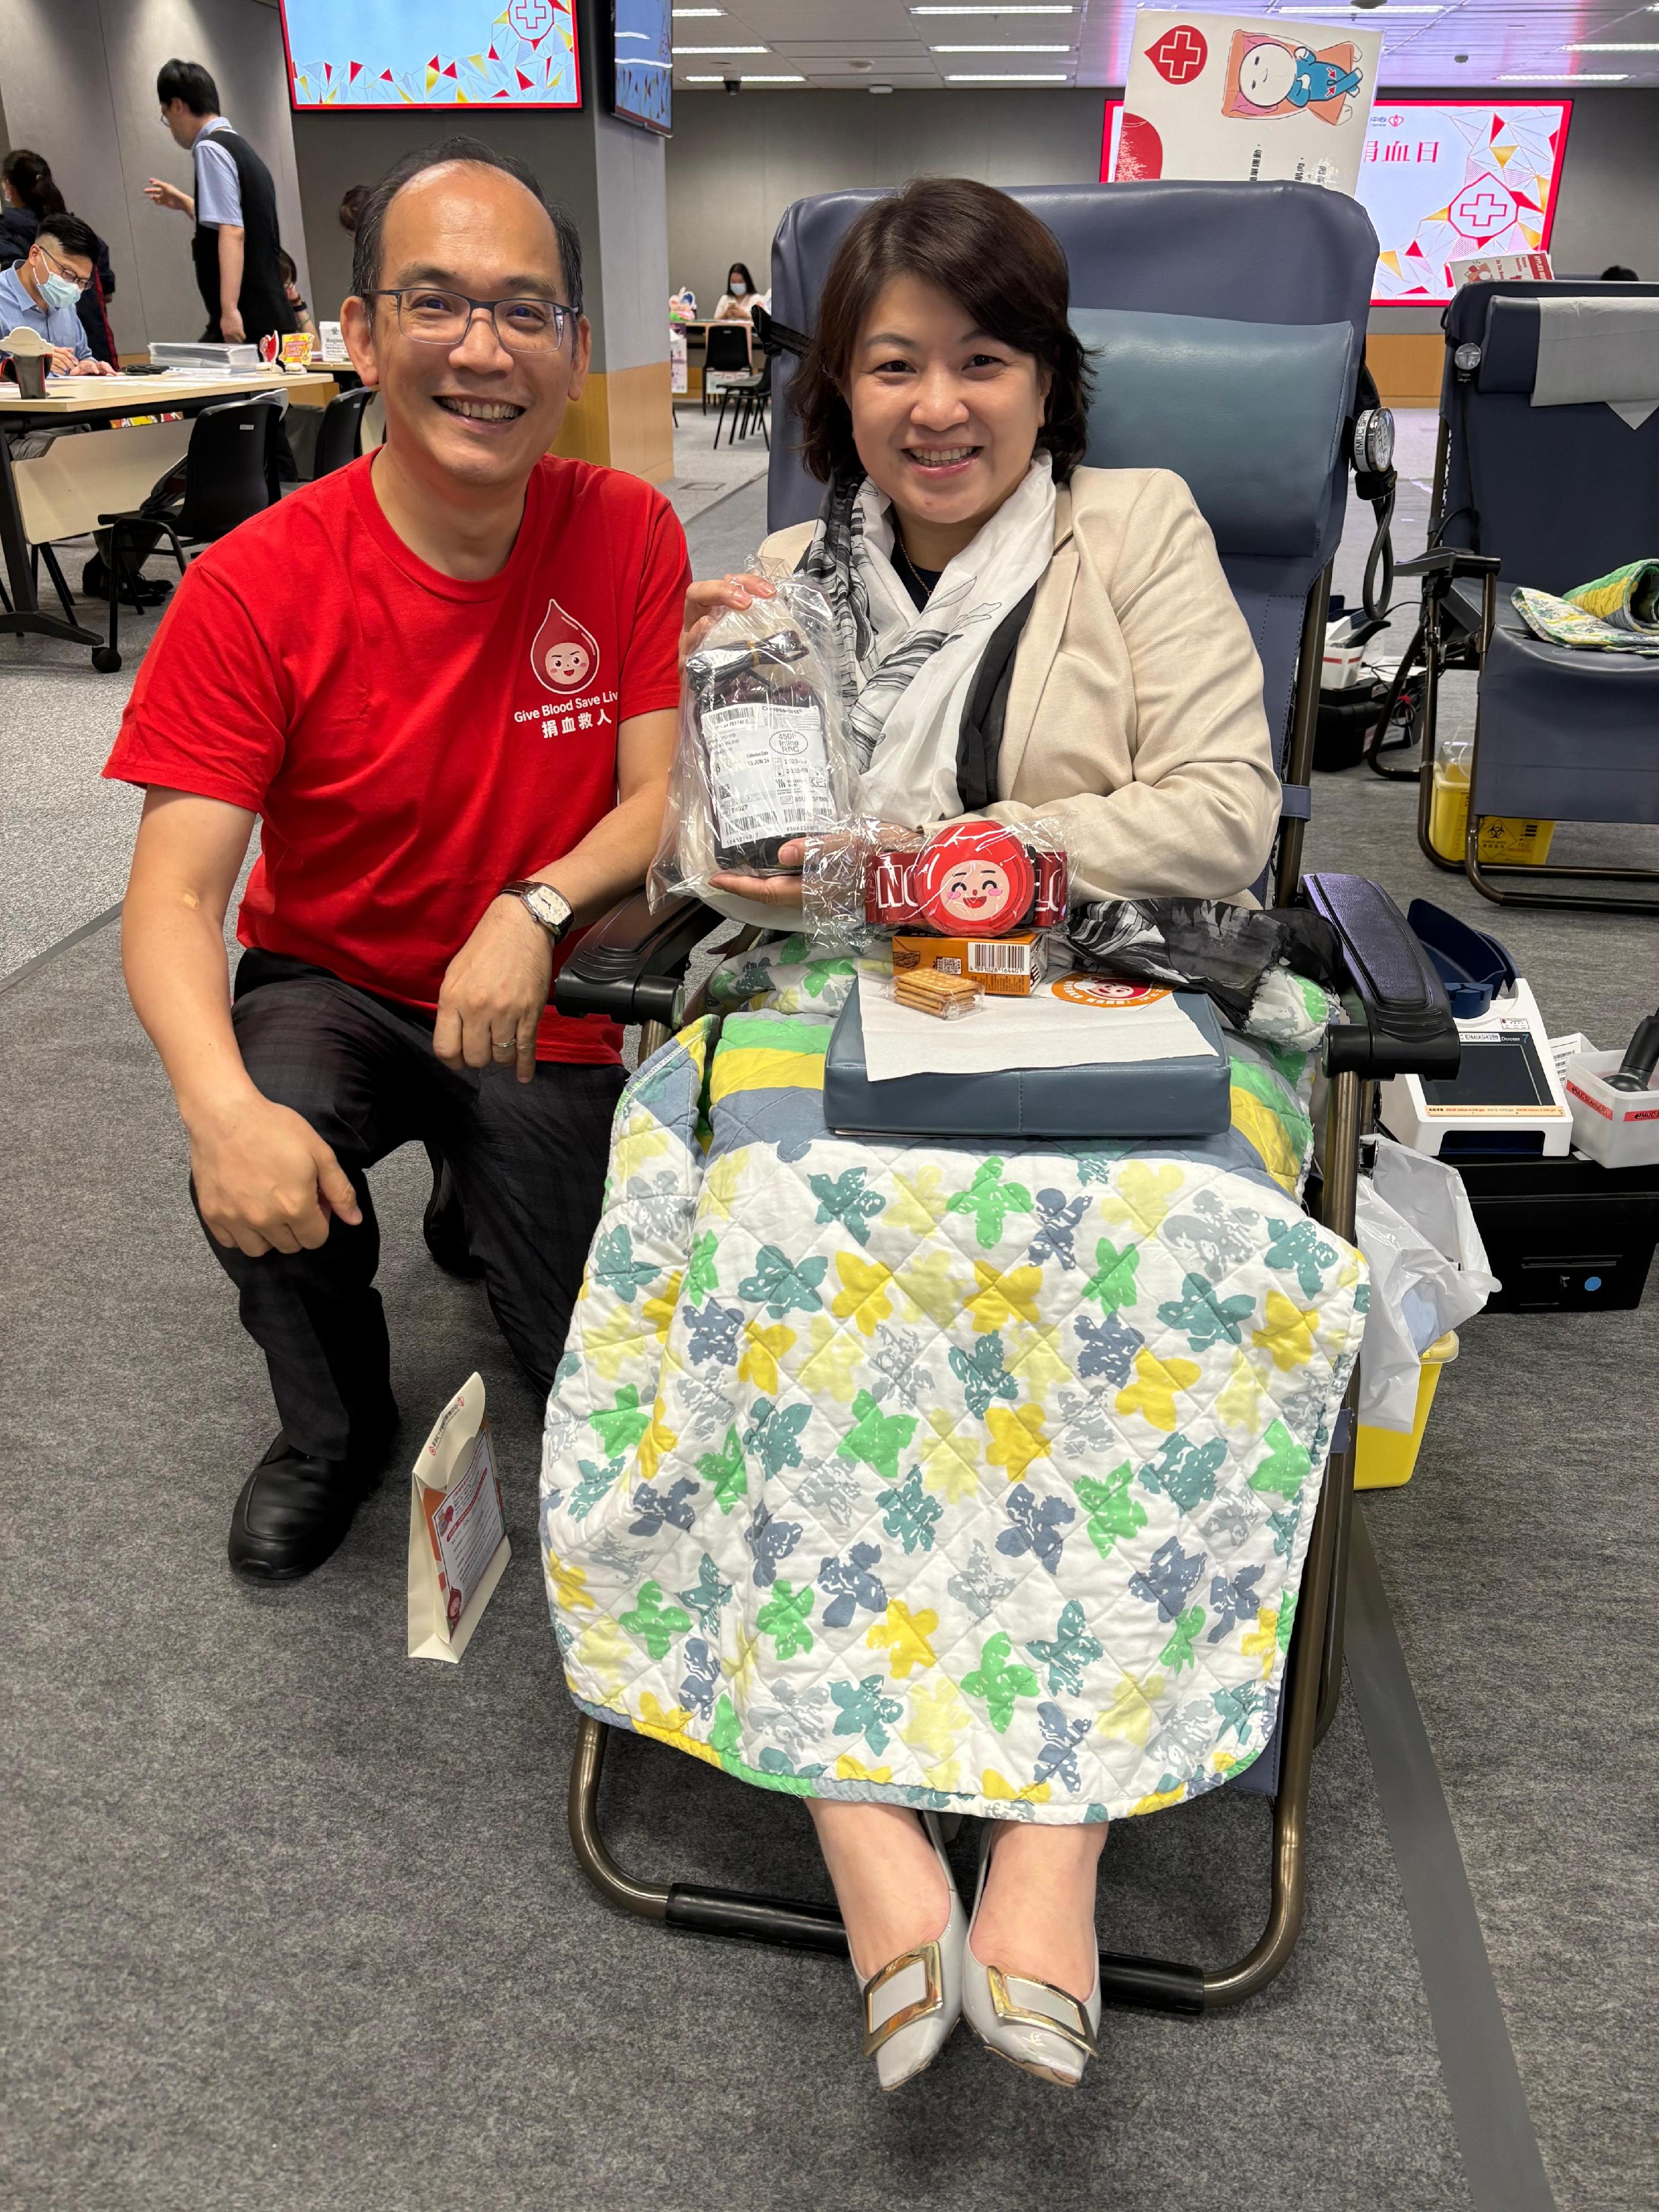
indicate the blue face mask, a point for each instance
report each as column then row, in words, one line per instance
column 60, row 291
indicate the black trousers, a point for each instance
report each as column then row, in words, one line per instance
column 528, row 1160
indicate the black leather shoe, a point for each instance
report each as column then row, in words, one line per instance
column 294, row 1510
column 444, row 1227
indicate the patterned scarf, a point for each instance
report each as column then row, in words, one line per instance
column 907, row 674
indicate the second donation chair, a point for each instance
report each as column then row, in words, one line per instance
column 1228, row 323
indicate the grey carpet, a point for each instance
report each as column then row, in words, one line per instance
column 293, row 1921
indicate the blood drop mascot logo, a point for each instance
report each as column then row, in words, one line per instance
column 564, row 656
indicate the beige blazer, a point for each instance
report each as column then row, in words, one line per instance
column 1134, row 711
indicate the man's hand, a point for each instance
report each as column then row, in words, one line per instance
column 494, row 991
column 63, row 360
column 91, row 366
column 169, row 195
column 230, row 325
column 265, row 1181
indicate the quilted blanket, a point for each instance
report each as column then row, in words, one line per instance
column 974, row 1481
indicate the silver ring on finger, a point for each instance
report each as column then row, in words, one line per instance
column 504, row 1051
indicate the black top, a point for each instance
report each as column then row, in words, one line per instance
column 919, row 582
column 261, row 302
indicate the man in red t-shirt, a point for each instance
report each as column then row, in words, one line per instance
column 443, row 680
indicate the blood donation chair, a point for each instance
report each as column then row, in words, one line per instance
column 1228, row 323
column 1551, row 496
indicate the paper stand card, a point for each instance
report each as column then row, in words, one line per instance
column 1241, row 98
column 458, row 1546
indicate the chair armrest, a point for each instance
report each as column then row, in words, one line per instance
column 631, row 966
column 1450, row 561
column 1405, row 1025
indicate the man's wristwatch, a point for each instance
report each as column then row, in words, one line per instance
column 543, row 904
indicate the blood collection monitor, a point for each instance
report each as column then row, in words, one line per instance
column 1506, row 1097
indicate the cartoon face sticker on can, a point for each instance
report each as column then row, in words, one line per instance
column 974, row 881
column 564, row 656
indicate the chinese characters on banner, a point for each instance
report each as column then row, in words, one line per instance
column 1446, row 182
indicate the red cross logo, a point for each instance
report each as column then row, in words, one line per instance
column 1180, row 54
column 531, row 19
column 1481, row 208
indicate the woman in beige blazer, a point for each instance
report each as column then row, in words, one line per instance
column 945, row 405
column 1133, row 713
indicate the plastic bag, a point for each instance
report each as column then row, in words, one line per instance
column 760, row 758
column 969, row 878
column 1428, row 1274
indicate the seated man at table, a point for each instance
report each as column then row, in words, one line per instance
column 41, row 293
column 444, row 680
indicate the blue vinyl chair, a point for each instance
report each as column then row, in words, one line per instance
column 1550, row 497
column 1228, row 323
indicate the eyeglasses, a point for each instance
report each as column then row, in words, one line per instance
column 445, row 317
column 57, row 268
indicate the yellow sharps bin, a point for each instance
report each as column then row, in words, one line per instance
column 1506, row 840
column 1384, row 1458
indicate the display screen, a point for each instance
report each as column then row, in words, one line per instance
column 1499, row 1071
column 432, row 53
column 642, row 85
column 1442, row 180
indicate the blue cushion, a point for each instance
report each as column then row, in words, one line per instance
column 1127, row 1100
column 1249, row 414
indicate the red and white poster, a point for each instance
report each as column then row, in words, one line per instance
column 1246, row 98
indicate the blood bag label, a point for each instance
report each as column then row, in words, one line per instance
column 768, row 772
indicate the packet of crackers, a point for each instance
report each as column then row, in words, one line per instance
column 932, row 991
column 760, row 759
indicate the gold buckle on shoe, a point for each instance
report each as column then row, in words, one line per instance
column 1081, row 2036
column 928, row 1957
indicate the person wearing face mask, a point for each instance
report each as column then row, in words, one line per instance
column 42, row 294
column 736, row 302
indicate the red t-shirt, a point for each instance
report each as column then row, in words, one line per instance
column 412, row 743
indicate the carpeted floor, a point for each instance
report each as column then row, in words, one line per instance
column 293, row 1922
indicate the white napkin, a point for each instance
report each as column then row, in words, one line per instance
column 1040, row 1031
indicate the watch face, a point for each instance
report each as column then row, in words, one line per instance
column 549, row 909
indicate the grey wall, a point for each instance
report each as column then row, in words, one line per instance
column 734, row 164
column 609, row 175
column 78, row 82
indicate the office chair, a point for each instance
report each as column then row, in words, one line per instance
column 229, row 473
column 339, row 434
column 726, row 354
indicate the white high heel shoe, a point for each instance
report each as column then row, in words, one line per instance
column 911, row 2006
column 1042, row 2030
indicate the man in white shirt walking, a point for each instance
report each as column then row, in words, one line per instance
column 237, row 242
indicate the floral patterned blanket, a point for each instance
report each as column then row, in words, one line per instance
column 979, row 1481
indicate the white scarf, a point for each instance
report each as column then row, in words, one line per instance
column 908, row 672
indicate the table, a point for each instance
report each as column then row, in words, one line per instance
column 96, row 401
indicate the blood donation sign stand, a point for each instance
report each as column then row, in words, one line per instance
column 1242, row 98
